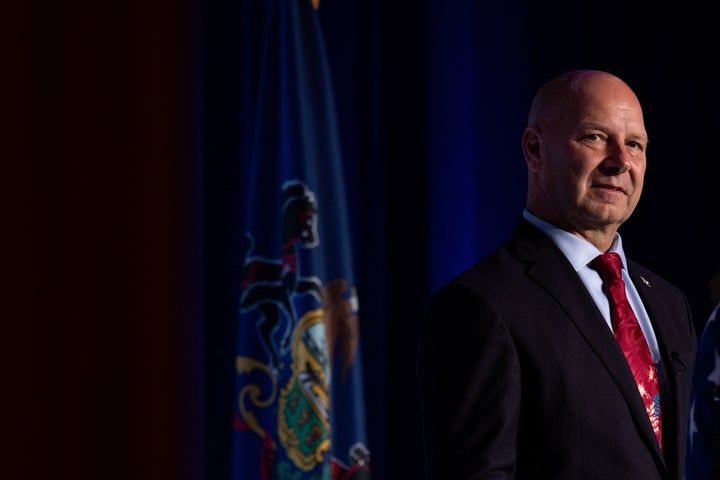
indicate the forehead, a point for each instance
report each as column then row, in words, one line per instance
column 617, row 115
column 606, row 102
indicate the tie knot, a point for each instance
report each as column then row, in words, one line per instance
column 608, row 265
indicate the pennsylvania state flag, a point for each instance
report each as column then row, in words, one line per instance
column 299, row 410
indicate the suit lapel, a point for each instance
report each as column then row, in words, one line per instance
column 551, row 270
column 653, row 299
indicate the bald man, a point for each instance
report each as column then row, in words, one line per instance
column 520, row 373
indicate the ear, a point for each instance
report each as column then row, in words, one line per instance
column 531, row 147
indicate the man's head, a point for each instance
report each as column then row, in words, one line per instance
column 585, row 147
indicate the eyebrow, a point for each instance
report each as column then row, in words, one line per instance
column 639, row 137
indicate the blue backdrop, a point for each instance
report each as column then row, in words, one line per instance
column 131, row 121
column 432, row 100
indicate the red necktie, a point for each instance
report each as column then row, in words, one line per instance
column 630, row 337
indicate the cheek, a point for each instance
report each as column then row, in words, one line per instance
column 638, row 164
column 637, row 173
column 577, row 174
column 638, row 183
column 640, row 173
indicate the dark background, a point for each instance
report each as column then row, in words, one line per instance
column 121, row 133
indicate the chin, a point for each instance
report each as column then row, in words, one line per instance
column 608, row 214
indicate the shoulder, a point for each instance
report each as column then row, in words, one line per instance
column 665, row 301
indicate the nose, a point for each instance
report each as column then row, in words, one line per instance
column 616, row 162
column 624, row 167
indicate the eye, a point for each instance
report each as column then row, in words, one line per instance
column 592, row 137
column 637, row 145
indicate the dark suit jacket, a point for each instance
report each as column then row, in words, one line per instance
column 521, row 378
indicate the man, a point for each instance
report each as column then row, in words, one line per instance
column 520, row 374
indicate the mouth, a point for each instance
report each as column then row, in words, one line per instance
column 609, row 187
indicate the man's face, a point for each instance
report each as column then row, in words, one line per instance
column 594, row 160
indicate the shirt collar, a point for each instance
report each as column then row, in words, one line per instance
column 578, row 251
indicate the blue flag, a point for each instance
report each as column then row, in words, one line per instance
column 703, row 454
column 299, row 399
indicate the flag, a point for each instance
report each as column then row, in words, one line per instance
column 702, row 462
column 299, row 408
